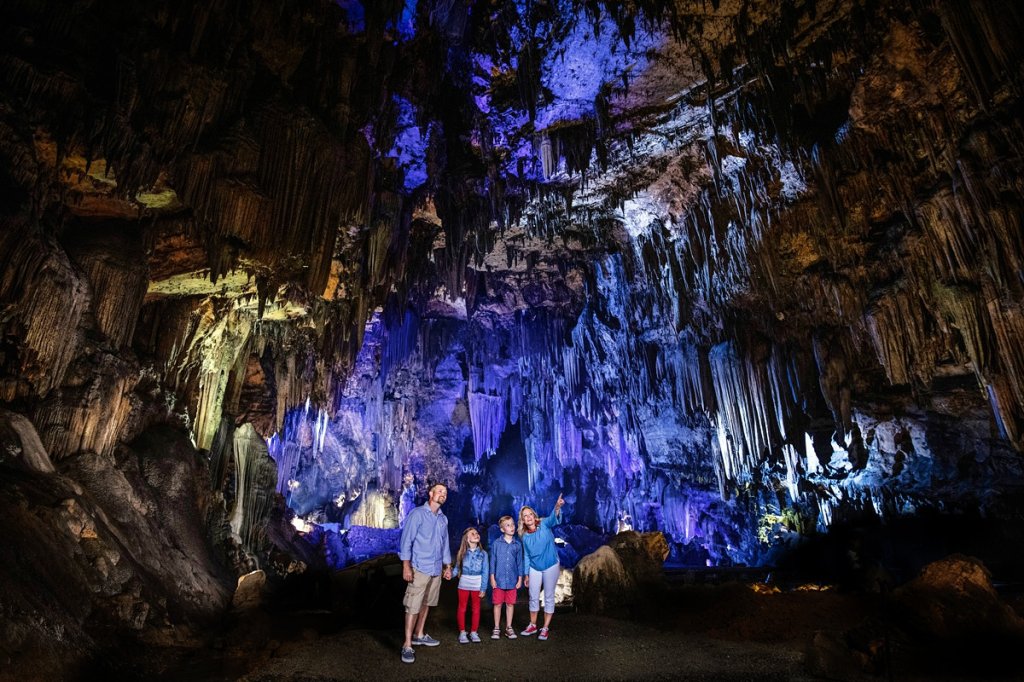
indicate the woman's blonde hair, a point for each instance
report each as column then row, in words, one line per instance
column 522, row 528
column 464, row 547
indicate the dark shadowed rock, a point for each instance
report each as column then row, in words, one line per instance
column 111, row 548
column 953, row 599
column 20, row 445
column 621, row 576
column 601, row 584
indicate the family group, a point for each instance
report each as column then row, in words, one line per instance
column 529, row 560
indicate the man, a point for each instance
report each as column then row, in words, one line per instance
column 426, row 558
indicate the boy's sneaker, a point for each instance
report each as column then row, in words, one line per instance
column 475, row 638
column 425, row 640
column 462, row 638
column 510, row 633
column 496, row 633
column 408, row 655
column 543, row 634
column 530, row 629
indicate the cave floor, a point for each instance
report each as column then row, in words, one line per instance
column 727, row 632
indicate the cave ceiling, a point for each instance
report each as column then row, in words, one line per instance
column 691, row 262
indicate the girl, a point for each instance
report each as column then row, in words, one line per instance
column 541, row 557
column 471, row 567
column 507, row 571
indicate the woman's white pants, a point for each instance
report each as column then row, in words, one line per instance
column 546, row 578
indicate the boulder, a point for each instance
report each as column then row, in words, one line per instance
column 601, row 584
column 953, row 599
column 249, row 594
column 830, row 657
column 624, row 575
column 643, row 554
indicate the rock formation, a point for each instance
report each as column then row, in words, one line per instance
column 623, row 577
column 739, row 272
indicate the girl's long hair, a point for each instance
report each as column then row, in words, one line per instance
column 522, row 528
column 464, row 547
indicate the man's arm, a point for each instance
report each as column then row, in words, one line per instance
column 446, row 555
column 409, row 533
column 446, row 551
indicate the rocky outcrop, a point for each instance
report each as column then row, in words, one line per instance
column 949, row 620
column 623, row 577
column 108, row 548
column 953, row 601
column 20, row 446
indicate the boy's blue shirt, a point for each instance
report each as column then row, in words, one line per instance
column 507, row 562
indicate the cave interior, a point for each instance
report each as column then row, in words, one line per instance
column 743, row 273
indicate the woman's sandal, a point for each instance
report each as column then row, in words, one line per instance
column 509, row 632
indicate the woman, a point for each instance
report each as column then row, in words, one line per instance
column 541, row 562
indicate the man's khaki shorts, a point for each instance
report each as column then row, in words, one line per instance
column 423, row 590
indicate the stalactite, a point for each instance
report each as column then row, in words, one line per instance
column 94, row 417
column 900, row 332
column 487, row 414
column 45, row 293
column 221, row 454
column 743, row 393
column 984, row 38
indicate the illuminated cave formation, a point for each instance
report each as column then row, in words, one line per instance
column 746, row 273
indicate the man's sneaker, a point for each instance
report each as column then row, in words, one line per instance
column 408, row 655
column 543, row 634
column 475, row 638
column 425, row 640
column 496, row 633
column 462, row 638
column 530, row 629
column 510, row 633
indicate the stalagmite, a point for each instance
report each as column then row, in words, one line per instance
column 255, row 481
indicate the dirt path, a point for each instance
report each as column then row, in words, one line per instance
column 581, row 647
column 729, row 632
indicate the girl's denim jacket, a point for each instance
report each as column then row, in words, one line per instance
column 474, row 563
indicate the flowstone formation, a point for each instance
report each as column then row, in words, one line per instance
column 739, row 272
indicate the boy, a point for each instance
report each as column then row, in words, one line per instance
column 507, row 570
